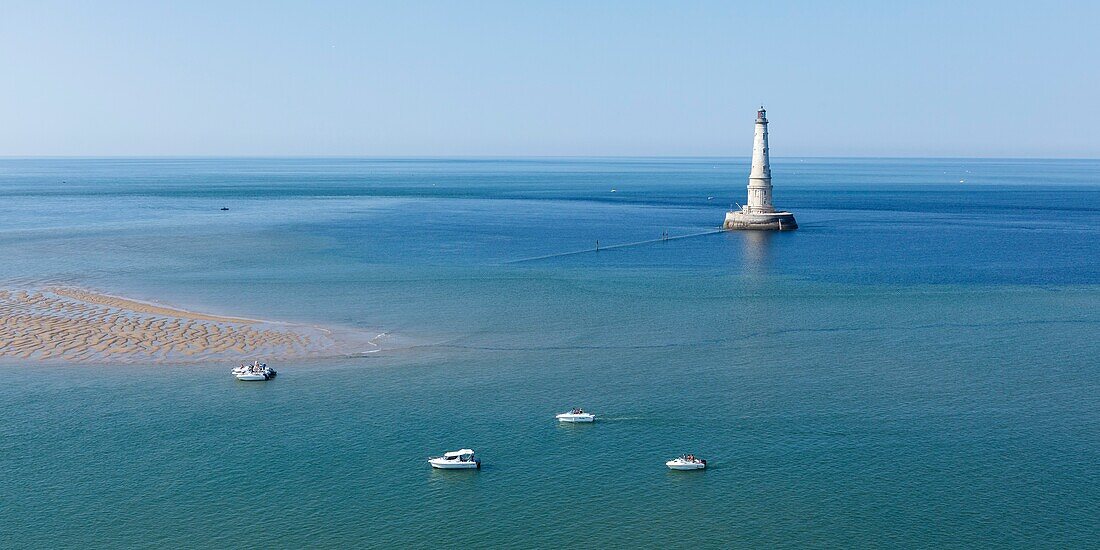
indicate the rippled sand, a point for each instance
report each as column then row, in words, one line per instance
column 79, row 325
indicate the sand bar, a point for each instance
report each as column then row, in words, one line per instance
column 79, row 325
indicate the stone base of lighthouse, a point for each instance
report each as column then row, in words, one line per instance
column 764, row 221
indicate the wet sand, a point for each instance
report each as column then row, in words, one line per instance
column 72, row 324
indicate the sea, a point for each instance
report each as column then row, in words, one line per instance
column 918, row 365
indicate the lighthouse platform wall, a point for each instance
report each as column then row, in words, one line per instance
column 769, row 221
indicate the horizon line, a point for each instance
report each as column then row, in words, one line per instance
column 524, row 157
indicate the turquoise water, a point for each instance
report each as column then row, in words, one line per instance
column 915, row 366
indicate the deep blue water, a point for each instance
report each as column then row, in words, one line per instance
column 916, row 365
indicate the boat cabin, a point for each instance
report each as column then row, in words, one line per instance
column 462, row 455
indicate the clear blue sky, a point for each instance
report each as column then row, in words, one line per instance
column 549, row 78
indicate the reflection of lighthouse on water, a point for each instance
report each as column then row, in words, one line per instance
column 755, row 255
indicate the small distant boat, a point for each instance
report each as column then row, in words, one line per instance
column 614, row 190
column 256, row 372
column 686, row 462
column 461, row 459
column 576, row 415
column 224, row 208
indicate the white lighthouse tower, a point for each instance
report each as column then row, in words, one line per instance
column 760, row 178
column 759, row 213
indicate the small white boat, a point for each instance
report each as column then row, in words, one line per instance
column 686, row 462
column 256, row 372
column 455, row 460
column 576, row 415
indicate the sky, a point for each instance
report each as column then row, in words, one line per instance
column 554, row 78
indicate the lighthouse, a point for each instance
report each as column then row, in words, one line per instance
column 758, row 212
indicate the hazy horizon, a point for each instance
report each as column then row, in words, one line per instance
column 746, row 158
column 440, row 80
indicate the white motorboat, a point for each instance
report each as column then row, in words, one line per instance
column 256, row 372
column 455, row 460
column 686, row 462
column 576, row 415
